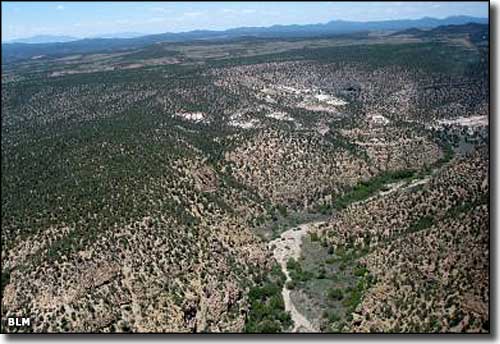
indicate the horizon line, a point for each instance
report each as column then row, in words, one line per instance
column 142, row 34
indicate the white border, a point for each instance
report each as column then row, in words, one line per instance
column 98, row 339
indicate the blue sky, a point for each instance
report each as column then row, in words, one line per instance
column 86, row 19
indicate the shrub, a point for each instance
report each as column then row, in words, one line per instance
column 335, row 294
column 292, row 264
column 268, row 326
column 359, row 270
column 321, row 274
column 314, row 236
column 421, row 224
column 5, row 279
column 333, row 317
column 267, row 308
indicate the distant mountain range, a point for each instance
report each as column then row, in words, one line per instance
column 25, row 50
column 63, row 39
column 44, row 39
column 342, row 26
column 120, row 35
column 476, row 32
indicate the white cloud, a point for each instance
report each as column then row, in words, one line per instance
column 160, row 10
column 156, row 20
column 60, row 7
column 193, row 14
column 232, row 11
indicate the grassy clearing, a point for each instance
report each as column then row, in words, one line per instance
column 282, row 220
column 327, row 286
column 365, row 189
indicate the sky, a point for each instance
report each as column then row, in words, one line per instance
column 88, row 19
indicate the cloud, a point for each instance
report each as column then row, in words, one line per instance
column 160, row 10
column 60, row 7
column 156, row 20
column 193, row 14
column 233, row 11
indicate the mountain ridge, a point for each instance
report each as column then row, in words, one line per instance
column 20, row 51
column 37, row 39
